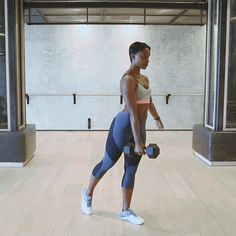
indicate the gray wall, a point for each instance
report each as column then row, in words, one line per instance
column 92, row 58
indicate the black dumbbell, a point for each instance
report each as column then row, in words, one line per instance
column 152, row 150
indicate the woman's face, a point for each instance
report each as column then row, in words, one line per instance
column 141, row 58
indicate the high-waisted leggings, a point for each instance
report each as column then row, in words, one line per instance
column 120, row 134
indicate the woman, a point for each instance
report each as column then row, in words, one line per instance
column 127, row 126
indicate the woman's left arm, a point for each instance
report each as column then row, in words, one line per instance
column 153, row 111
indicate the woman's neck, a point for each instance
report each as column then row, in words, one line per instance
column 135, row 70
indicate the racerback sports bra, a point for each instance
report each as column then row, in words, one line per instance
column 142, row 94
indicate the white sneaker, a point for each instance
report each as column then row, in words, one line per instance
column 86, row 205
column 131, row 216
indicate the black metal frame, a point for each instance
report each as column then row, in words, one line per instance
column 220, row 78
column 104, row 4
column 12, row 65
column 95, row 23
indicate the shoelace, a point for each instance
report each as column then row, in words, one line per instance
column 132, row 213
column 89, row 201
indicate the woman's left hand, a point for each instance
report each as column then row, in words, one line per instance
column 159, row 124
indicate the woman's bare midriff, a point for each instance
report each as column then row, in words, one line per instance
column 141, row 110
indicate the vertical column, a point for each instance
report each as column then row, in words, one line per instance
column 16, row 65
column 17, row 140
column 4, row 77
column 230, row 70
column 211, row 141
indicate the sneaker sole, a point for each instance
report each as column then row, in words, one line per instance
column 127, row 219
column 86, row 213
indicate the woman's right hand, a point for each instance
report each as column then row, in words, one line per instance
column 139, row 148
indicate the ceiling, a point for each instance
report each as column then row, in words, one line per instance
column 168, row 12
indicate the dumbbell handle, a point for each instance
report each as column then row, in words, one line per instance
column 129, row 150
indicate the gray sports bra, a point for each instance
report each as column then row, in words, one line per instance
column 142, row 94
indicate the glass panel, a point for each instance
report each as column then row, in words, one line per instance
column 211, row 61
column 3, row 89
column 231, row 88
column 20, row 61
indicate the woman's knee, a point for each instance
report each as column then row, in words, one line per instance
column 103, row 166
column 129, row 174
column 131, row 163
column 131, row 170
column 97, row 170
column 128, row 180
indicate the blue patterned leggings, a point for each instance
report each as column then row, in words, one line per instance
column 120, row 133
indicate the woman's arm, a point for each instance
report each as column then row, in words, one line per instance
column 156, row 117
column 152, row 110
column 128, row 86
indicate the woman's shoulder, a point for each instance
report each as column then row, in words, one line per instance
column 128, row 80
column 127, row 76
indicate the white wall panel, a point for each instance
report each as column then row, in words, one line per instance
column 92, row 59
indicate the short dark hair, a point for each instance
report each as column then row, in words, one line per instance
column 136, row 47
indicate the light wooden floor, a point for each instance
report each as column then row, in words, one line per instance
column 176, row 194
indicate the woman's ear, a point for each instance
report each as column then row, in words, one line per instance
column 132, row 56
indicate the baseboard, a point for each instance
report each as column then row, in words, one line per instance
column 214, row 163
column 15, row 164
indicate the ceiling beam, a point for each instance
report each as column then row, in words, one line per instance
column 99, row 23
column 117, row 4
column 181, row 13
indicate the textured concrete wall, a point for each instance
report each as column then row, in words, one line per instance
column 91, row 59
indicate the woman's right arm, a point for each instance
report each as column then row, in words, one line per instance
column 128, row 86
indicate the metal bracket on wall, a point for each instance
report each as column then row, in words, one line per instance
column 89, row 123
column 27, row 98
column 167, row 98
column 121, row 99
column 74, row 98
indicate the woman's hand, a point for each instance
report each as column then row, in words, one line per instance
column 139, row 148
column 159, row 124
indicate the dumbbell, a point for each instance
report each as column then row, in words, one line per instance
column 152, row 150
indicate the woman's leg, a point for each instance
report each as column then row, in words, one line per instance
column 130, row 167
column 127, row 196
column 118, row 136
column 92, row 184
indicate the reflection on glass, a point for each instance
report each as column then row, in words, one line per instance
column 3, row 90
column 211, row 62
column 231, row 88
